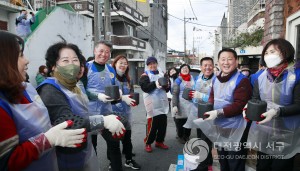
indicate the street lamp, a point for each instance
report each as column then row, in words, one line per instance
column 195, row 29
column 184, row 21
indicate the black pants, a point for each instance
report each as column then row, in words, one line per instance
column 113, row 151
column 203, row 166
column 94, row 142
column 156, row 129
column 267, row 163
column 234, row 160
column 182, row 132
column 127, row 145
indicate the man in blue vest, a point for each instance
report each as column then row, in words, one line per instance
column 225, row 125
column 100, row 74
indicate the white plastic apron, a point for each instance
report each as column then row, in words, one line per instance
column 184, row 106
column 85, row 160
column 122, row 108
column 280, row 136
column 223, row 131
column 32, row 119
column 156, row 102
column 202, row 86
column 97, row 81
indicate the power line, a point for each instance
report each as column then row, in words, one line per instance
column 193, row 9
column 198, row 23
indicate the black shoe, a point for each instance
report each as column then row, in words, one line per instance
column 131, row 163
column 132, row 154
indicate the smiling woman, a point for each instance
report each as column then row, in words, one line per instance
column 27, row 137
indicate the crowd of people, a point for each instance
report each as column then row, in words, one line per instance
column 56, row 125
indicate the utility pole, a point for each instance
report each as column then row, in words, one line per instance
column 186, row 60
column 107, row 30
column 97, row 20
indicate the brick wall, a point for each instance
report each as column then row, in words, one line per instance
column 274, row 19
column 290, row 7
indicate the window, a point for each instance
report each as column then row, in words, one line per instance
column 298, row 42
column 129, row 30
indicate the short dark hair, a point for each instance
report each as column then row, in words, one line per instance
column 285, row 47
column 52, row 54
column 228, row 50
column 183, row 65
column 104, row 42
column 206, row 59
column 169, row 70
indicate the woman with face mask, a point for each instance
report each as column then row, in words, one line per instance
column 64, row 99
column 27, row 138
column 181, row 106
column 276, row 137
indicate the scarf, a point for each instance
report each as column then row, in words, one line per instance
column 185, row 77
column 278, row 70
column 69, row 84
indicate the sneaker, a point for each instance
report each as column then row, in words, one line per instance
column 148, row 148
column 161, row 145
column 131, row 163
column 210, row 168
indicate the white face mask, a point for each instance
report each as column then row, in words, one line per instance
column 272, row 60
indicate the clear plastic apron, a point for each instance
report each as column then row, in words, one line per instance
column 85, row 160
column 97, row 81
column 224, row 132
column 184, row 106
column 122, row 108
column 280, row 136
column 202, row 86
column 32, row 119
column 156, row 102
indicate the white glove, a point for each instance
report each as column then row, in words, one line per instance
column 175, row 110
column 212, row 115
column 196, row 94
column 270, row 114
column 59, row 136
column 113, row 124
column 128, row 100
column 104, row 98
column 244, row 113
column 157, row 85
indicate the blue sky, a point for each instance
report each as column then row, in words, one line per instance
column 208, row 12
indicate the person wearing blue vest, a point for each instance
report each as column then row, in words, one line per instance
column 123, row 107
column 100, row 74
column 278, row 133
column 224, row 125
column 64, row 99
column 156, row 104
column 261, row 68
column 23, row 24
column 181, row 106
column 202, row 88
column 27, row 140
